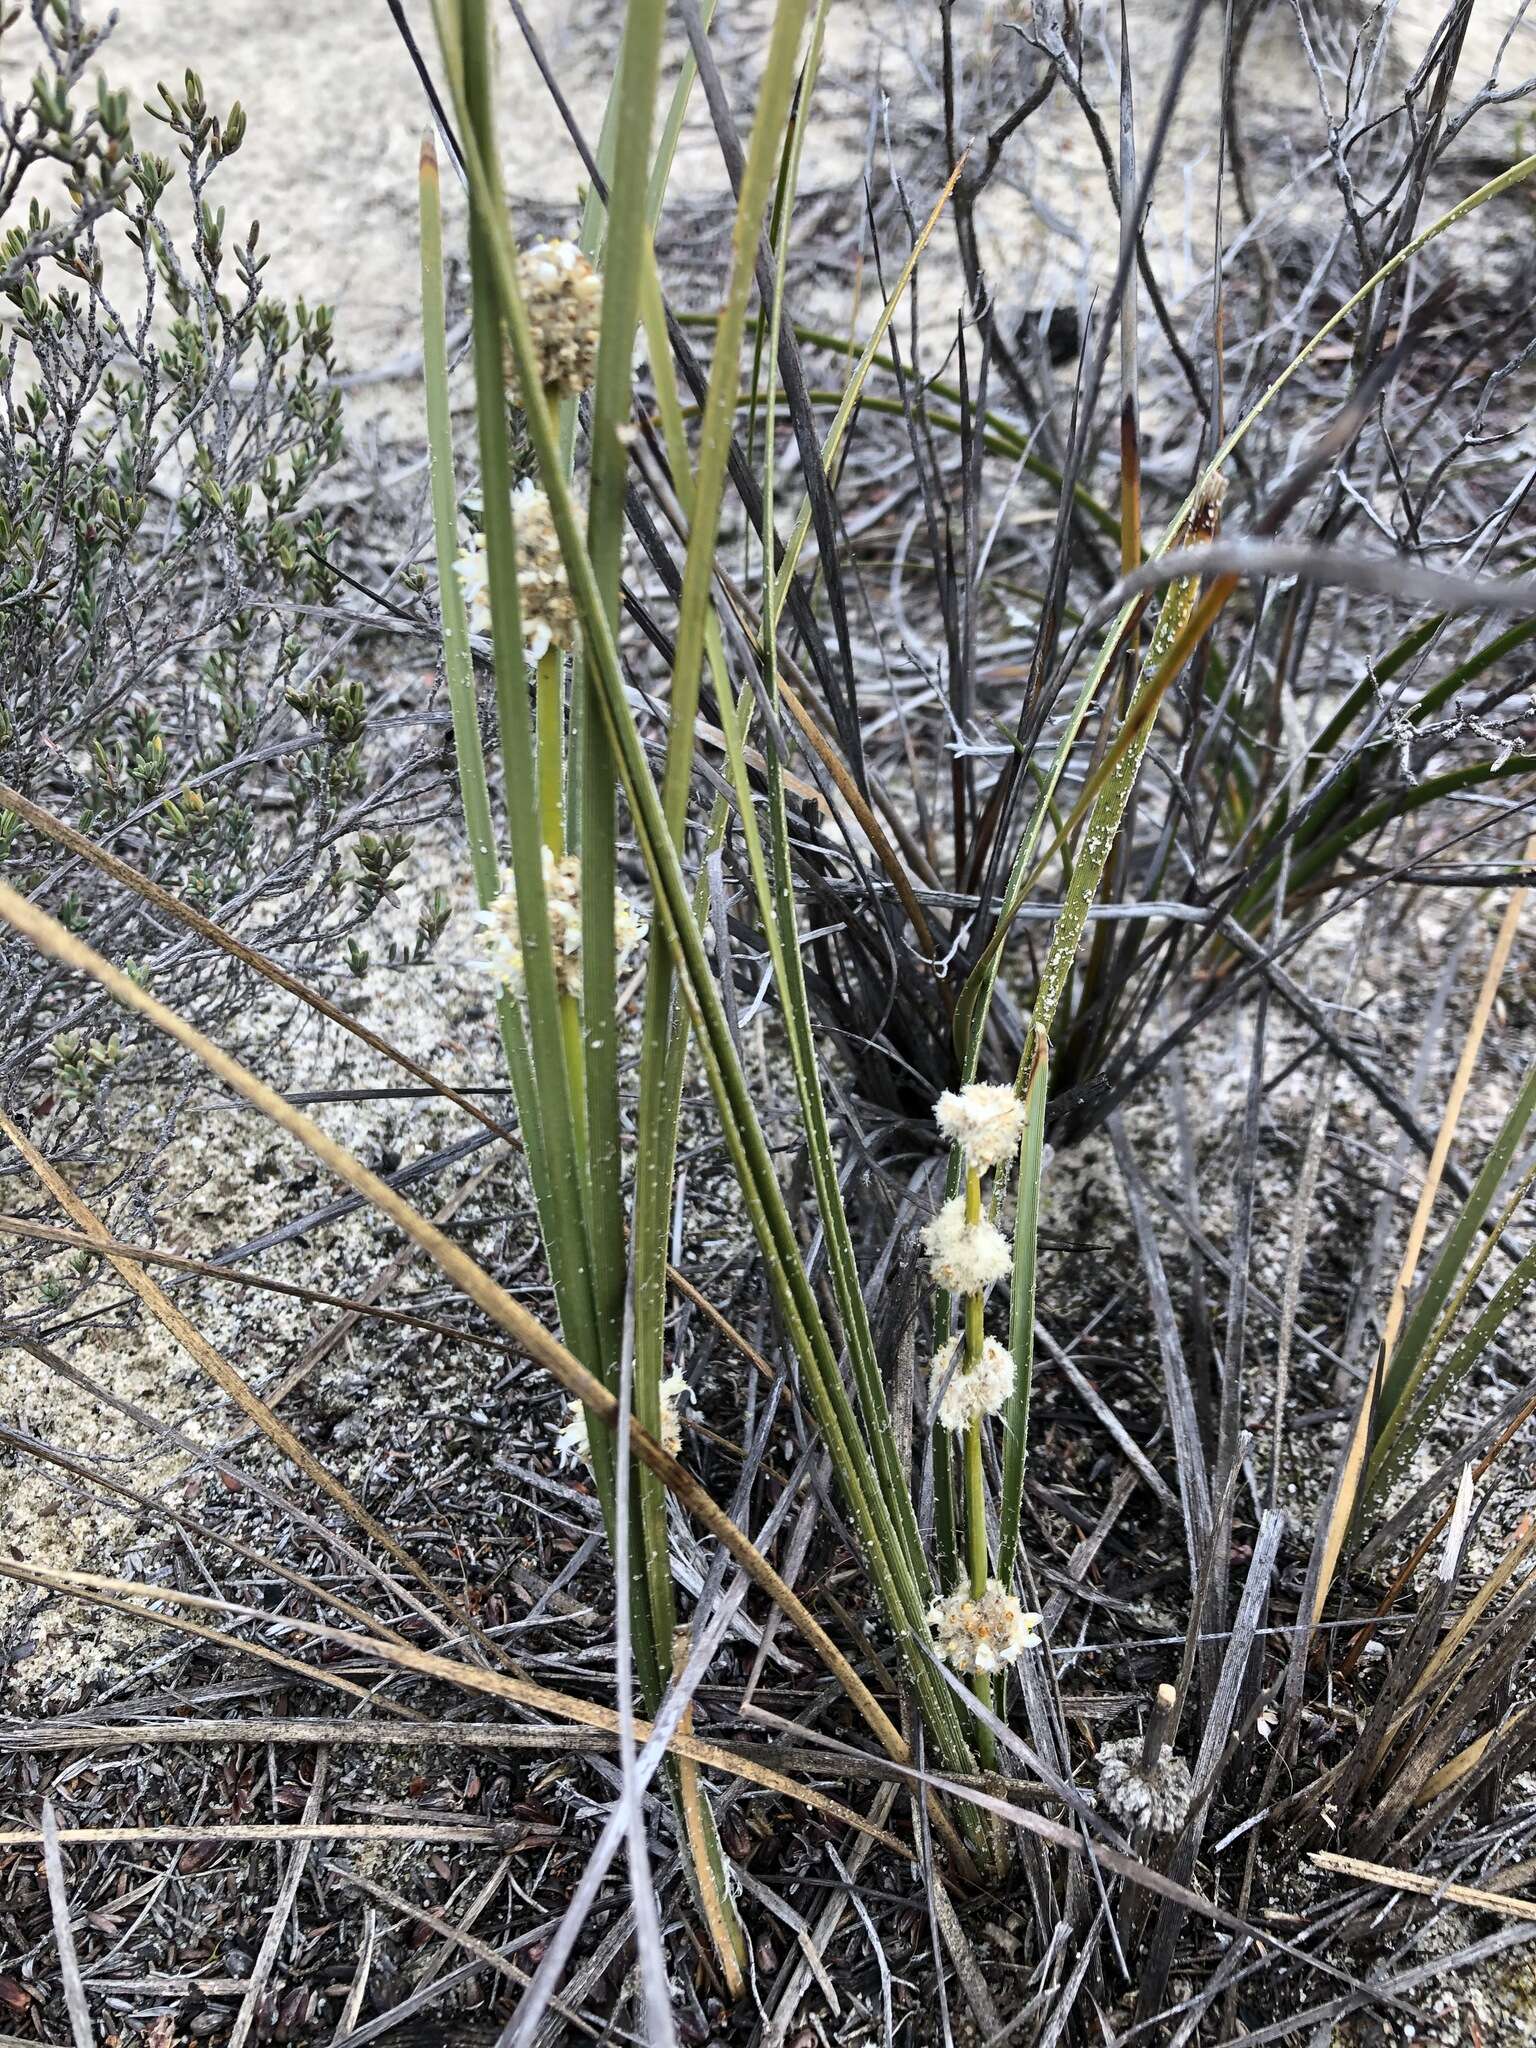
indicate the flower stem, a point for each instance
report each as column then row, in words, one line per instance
column 975, row 1487
column 976, row 1534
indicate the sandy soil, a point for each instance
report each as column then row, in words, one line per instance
column 336, row 114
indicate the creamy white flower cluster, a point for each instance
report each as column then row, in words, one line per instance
column 982, row 1635
column 964, row 1257
column 967, row 1253
column 983, row 1390
column 562, row 896
column 564, row 298
column 547, row 607
column 986, row 1122
column 572, row 1441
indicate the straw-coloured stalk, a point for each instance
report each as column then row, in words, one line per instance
column 526, row 1332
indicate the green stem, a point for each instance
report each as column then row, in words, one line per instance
column 1021, row 1308
column 976, row 1531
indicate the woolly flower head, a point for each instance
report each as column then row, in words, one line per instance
column 562, row 896
column 985, row 1122
column 564, row 297
column 982, row 1635
column 572, row 1441
column 984, row 1390
column 1156, row 1796
column 548, row 609
column 964, row 1258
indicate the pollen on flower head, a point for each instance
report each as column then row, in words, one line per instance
column 962, row 1395
column 964, row 1258
column 571, row 1438
column 628, row 928
column 573, row 1442
column 1155, row 1796
column 544, row 591
column 982, row 1635
column 985, row 1122
column 549, row 611
column 562, row 898
column 564, row 297
column 674, row 1392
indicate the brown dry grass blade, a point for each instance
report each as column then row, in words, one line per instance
column 244, row 1396
column 717, row 1911
column 1487, row 995
column 131, row 878
column 1468, row 1759
column 1425, row 1883
column 129, row 1596
column 525, row 1330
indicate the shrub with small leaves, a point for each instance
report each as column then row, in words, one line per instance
column 171, row 680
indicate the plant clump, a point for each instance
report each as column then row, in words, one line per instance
column 168, row 583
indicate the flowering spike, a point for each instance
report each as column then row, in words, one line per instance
column 562, row 896
column 564, row 298
column 548, row 609
column 572, row 1441
column 964, row 1395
